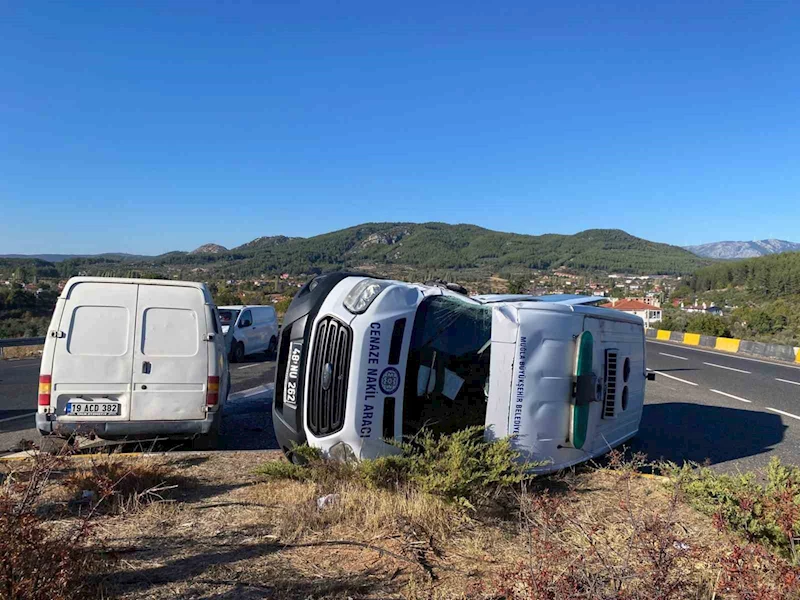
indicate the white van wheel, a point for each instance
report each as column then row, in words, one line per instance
column 210, row 440
column 237, row 352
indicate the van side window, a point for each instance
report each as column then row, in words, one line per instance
column 215, row 320
column 99, row 331
column 168, row 331
column 247, row 317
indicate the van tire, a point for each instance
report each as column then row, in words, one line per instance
column 237, row 352
column 273, row 344
column 210, row 440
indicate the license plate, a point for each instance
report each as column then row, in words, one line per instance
column 92, row 409
column 292, row 373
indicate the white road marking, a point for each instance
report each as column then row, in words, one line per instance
column 732, row 396
column 780, row 412
column 774, row 363
column 673, row 356
column 261, row 390
column 17, row 417
column 247, row 366
column 728, row 368
column 787, row 381
column 672, row 377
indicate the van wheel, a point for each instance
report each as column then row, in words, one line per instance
column 209, row 441
column 237, row 352
column 273, row 343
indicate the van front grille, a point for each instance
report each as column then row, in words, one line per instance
column 330, row 368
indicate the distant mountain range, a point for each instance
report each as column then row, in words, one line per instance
column 430, row 248
column 735, row 250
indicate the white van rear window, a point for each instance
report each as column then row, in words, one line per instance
column 170, row 332
column 99, row 331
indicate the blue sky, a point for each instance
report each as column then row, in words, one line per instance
column 151, row 126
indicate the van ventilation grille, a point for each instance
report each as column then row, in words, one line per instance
column 330, row 368
column 609, row 402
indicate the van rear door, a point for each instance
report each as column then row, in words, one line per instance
column 170, row 357
column 619, row 365
column 93, row 351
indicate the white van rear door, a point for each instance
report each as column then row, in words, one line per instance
column 170, row 361
column 619, row 363
column 94, row 352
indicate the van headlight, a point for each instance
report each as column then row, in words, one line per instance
column 363, row 294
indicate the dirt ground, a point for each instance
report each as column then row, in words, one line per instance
column 219, row 531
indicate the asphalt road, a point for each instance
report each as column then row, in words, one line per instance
column 246, row 424
column 18, row 383
column 705, row 406
column 731, row 411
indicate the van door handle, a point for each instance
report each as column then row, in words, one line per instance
column 146, row 367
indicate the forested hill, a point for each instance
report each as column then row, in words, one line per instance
column 771, row 276
column 433, row 246
column 426, row 246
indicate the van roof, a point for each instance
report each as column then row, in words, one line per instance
column 588, row 310
column 171, row 282
column 243, row 306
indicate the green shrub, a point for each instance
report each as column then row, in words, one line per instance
column 282, row 469
column 462, row 467
column 769, row 514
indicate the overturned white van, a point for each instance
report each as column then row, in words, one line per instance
column 364, row 360
column 133, row 358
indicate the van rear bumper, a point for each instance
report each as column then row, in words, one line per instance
column 178, row 429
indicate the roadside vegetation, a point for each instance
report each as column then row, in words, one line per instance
column 765, row 292
column 449, row 517
column 49, row 512
column 764, row 512
column 25, row 314
column 462, row 468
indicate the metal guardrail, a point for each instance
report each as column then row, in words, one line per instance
column 9, row 342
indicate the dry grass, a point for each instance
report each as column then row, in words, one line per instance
column 224, row 534
column 114, row 485
column 22, row 352
column 41, row 558
column 373, row 513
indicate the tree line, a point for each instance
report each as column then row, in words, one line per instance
column 24, row 313
column 428, row 246
column 772, row 276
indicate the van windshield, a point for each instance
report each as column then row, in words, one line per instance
column 228, row 317
column 447, row 373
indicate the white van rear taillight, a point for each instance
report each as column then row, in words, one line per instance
column 44, row 389
column 212, row 395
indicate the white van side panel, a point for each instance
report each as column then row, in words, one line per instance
column 170, row 358
column 93, row 359
column 256, row 338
